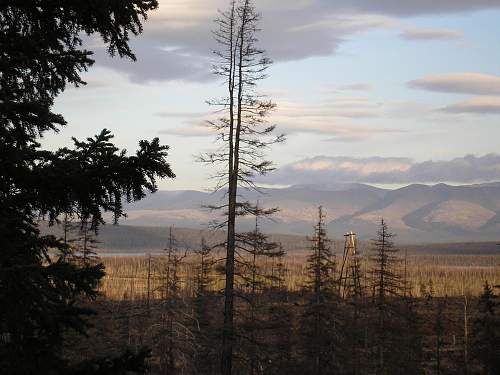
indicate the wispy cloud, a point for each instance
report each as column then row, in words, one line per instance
column 168, row 114
column 428, row 34
column 465, row 83
column 343, row 169
column 478, row 105
column 343, row 119
column 356, row 87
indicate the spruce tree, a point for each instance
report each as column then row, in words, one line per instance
column 41, row 44
column 386, row 288
column 252, row 281
column 320, row 318
column 203, row 330
column 485, row 348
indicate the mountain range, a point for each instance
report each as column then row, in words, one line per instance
column 416, row 213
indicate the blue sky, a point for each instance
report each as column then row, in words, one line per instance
column 357, row 83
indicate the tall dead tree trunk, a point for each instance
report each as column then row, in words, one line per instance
column 228, row 328
column 244, row 132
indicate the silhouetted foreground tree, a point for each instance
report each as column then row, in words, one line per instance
column 41, row 52
column 244, row 132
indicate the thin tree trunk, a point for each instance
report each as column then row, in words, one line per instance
column 227, row 332
column 466, row 336
column 149, row 284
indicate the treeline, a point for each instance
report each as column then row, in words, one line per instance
column 346, row 319
column 137, row 239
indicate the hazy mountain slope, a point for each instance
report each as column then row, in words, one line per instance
column 417, row 213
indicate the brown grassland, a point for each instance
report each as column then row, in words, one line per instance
column 441, row 275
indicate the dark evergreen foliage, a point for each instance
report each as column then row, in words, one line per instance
column 40, row 284
column 320, row 325
column 387, row 286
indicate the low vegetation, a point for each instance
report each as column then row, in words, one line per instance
column 442, row 275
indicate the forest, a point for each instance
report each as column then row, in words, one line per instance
column 239, row 302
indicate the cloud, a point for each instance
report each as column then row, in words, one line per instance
column 92, row 84
column 464, row 83
column 422, row 34
column 200, row 130
column 350, row 138
column 344, row 119
column 177, row 41
column 356, row 87
column 155, row 63
column 181, row 114
column 480, row 105
column 343, row 169
column 411, row 8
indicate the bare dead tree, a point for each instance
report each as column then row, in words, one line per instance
column 243, row 132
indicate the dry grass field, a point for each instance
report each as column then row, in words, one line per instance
column 441, row 275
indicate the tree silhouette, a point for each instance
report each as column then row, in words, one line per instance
column 204, row 332
column 243, row 131
column 253, row 248
column 41, row 44
column 386, row 287
column 320, row 319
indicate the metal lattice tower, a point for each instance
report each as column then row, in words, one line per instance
column 350, row 273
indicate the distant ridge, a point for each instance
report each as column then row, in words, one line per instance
column 416, row 213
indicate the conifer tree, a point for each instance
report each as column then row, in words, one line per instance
column 485, row 346
column 320, row 319
column 279, row 316
column 410, row 347
column 386, row 287
column 354, row 319
column 204, row 333
column 439, row 329
column 41, row 44
column 253, row 249
column 86, row 244
column 279, row 272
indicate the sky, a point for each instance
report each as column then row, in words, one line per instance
column 381, row 92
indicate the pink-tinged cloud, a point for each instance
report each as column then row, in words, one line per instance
column 479, row 105
column 463, row 83
column 344, row 169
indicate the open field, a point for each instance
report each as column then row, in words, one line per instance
column 441, row 275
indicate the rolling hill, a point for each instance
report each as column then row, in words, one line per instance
column 416, row 213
